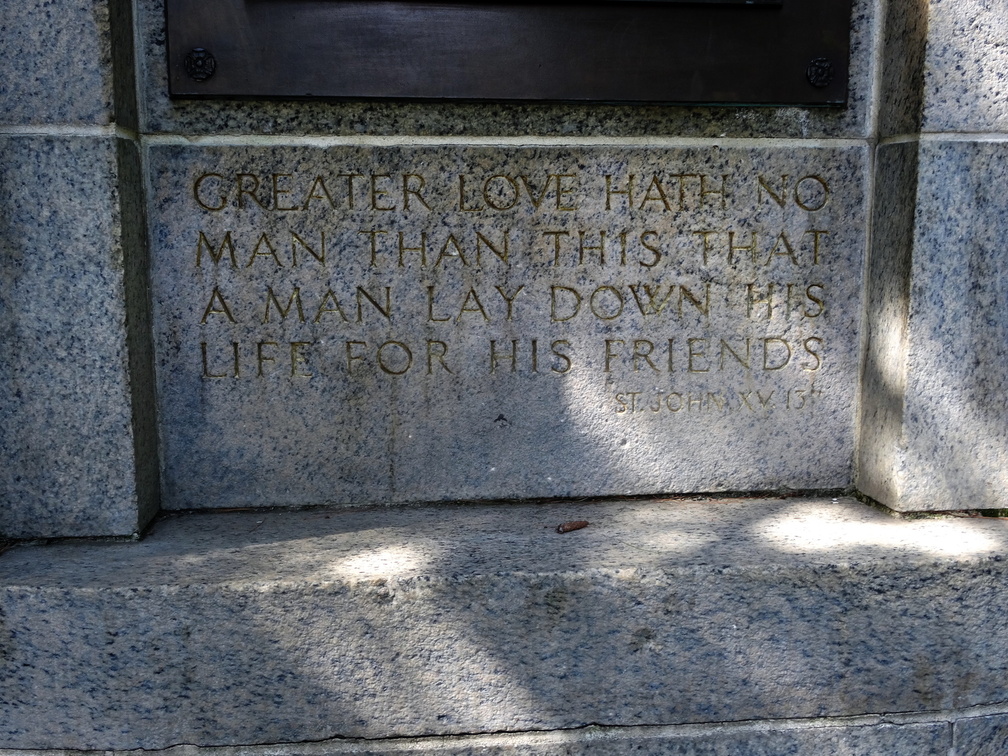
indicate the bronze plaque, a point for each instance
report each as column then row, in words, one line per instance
column 730, row 52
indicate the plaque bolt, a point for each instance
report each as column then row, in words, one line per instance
column 200, row 64
column 820, row 72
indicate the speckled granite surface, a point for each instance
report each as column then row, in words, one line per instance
column 262, row 627
column 901, row 64
column 966, row 67
column 884, row 377
column 496, row 350
column 65, row 410
column 956, row 421
column 875, row 736
column 944, row 67
column 936, row 432
column 235, row 117
column 982, row 736
column 933, row 433
column 56, row 63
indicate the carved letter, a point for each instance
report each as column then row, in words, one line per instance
column 264, row 240
column 262, row 356
column 408, row 191
column 212, row 309
column 510, row 300
column 296, row 240
column 815, row 198
column 767, row 361
column 221, row 196
column 554, row 290
column 324, row 308
column 439, row 353
column 297, row 358
column 489, row 195
column 555, row 348
column 406, row 353
column 363, row 294
column 295, row 299
column 227, row 243
column 476, row 306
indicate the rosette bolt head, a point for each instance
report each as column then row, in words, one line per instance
column 820, row 72
column 200, row 64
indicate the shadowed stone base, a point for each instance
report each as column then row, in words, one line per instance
column 862, row 736
column 261, row 627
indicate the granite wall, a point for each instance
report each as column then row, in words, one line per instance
column 826, row 310
column 335, row 320
column 76, row 392
column 903, row 371
column 934, row 419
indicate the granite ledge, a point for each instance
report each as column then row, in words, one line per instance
column 861, row 736
column 470, row 541
column 268, row 627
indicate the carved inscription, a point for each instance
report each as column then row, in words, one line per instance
column 688, row 292
column 382, row 322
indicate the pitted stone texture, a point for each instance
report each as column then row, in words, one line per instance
column 814, row 738
column 621, row 383
column 389, row 118
column 124, row 68
column 56, row 63
column 966, row 68
column 884, row 380
column 769, row 739
column 902, row 62
column 136, row 285
column 65, row 412
column 266, row 627
column 982, row 736
column 949, row 446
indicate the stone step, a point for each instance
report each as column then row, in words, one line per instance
column 241, row 628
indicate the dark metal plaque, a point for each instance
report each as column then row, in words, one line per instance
column 745, row 52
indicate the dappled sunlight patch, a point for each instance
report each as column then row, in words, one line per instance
column 800, row 530
column 390, row 561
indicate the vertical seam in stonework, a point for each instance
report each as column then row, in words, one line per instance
column 874, row 104
column 869, row 221
column 881, row 7
column 151, row 499
column 148, row 192
column 139, row 70
column 907, row 290
column 152, row 360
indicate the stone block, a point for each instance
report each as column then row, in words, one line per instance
column 794, row 738
column 966, row 67
column 883, row 383
column 56, row 65
column 387, row 324
column 935, row 435
column 66, row 419
column 570, row 120
column 279, row 627
column 981, row 736
column 903, row 50
column 764, row 740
